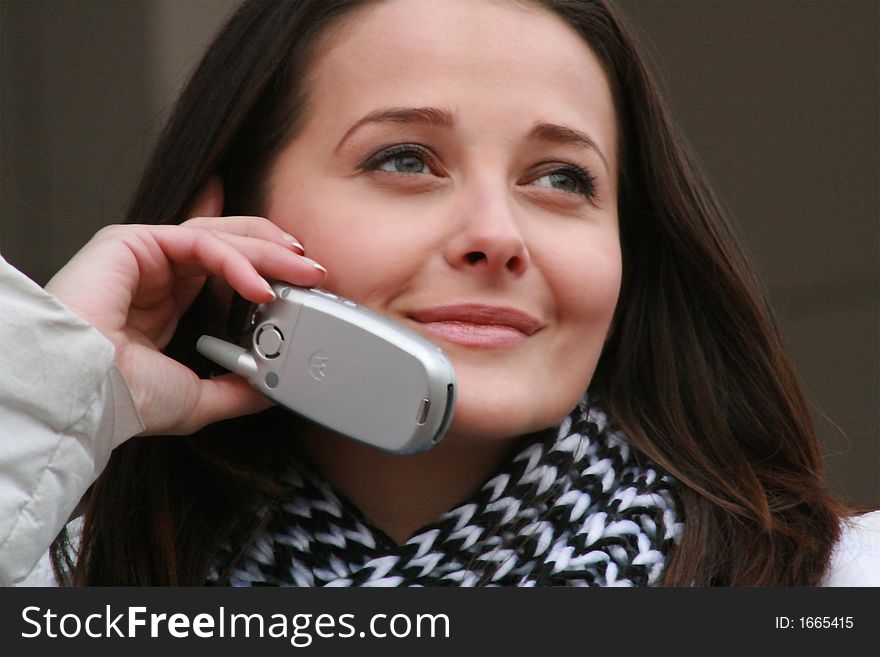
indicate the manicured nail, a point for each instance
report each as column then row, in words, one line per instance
column 315, row 265
column 293, row 243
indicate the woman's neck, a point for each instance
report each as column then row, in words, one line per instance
column 400, row 494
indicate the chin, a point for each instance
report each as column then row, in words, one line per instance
column 491, row 406
column 507, row 419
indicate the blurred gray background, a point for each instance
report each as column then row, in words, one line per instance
column 780, row 100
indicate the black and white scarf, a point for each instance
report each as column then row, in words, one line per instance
column 572, row 508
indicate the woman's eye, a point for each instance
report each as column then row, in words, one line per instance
column 406, row 159
column 561, row 181
column 571, row 180
column 404, row 164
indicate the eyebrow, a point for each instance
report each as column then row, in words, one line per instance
column 441, row 118
column 432, row 116
column 560, row 134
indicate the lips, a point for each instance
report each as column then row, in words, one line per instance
column 477, row 325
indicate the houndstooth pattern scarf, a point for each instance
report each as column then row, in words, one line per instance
column 571, row 508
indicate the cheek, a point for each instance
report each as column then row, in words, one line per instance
column 586, row 303
column 600, row 292
column 368, row 251
column 585, row 276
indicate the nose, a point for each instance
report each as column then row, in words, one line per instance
column 488, row 238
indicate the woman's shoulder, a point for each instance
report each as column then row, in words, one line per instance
column 856, row 559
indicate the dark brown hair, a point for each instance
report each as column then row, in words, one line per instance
column 695, row 372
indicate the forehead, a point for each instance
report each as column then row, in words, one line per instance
column 511, row 58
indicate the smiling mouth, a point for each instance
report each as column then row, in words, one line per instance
column 475, row 325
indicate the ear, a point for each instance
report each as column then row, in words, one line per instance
column 209, row 202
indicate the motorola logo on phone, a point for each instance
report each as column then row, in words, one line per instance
column 318, row 362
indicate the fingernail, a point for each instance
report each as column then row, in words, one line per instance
column 269, row 289
column 315, row 265
column 293, row 243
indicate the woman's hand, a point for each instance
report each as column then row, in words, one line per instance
column 133, row 283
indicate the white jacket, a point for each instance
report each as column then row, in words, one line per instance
column 64, row 406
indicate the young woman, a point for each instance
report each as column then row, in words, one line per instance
column 500, row 177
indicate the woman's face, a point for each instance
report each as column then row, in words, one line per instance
column 457, row 171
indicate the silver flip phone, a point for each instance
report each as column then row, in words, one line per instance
column 346, row 367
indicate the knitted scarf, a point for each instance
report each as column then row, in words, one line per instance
column 573, row 507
